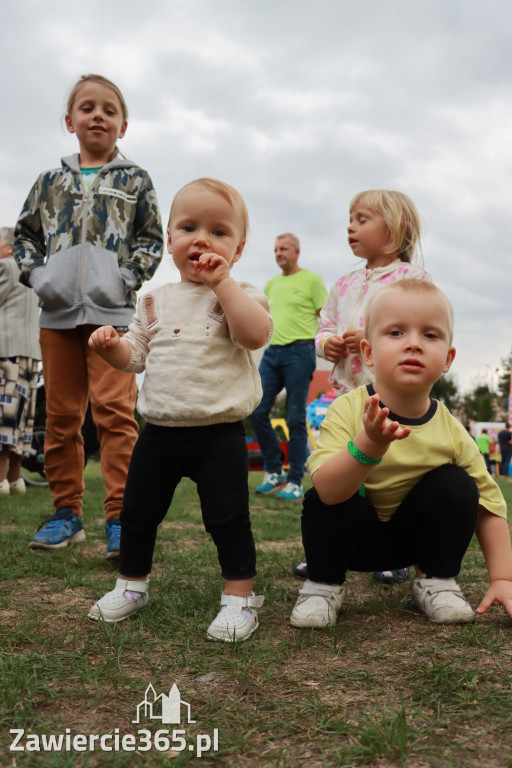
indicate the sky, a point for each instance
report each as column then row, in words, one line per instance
column 299, row 104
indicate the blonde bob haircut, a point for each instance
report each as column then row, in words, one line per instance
column 401, row 217
column 412, row 285
column 102, row 81
column 229, row 193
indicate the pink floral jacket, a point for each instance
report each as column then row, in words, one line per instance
column 345, row 308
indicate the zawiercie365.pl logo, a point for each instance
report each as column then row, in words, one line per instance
column 166, row 708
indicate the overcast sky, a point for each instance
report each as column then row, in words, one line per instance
column 299, row 104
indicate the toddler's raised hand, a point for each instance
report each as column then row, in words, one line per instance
column 377, row 425
column 211, row 268
column 104, row 338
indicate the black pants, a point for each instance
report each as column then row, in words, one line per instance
column 432, row 528
column 215, row 458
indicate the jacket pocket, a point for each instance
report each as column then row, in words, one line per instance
column 56, row 284
column 103, row 282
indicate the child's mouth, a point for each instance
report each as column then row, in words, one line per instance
column 411, row 365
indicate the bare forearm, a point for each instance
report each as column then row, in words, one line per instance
column 340, row 476
column 248, row 321
column 494, row 539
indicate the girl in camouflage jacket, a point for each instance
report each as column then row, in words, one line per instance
column 87, row 237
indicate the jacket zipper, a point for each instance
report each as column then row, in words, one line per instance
column 83, row 237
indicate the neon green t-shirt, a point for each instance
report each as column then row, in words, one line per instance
column 294, row 302
column 483, row 441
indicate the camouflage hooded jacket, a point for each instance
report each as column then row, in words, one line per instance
column 85, row 255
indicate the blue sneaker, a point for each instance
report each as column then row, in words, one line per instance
column 271, row 482
column 113, row 531
column 57, row 531
column 291, row 492
column 390, row 577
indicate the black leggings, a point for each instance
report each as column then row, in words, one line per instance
column 215, row 458
column 432, row 528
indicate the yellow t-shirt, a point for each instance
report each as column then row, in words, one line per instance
column 294, row 302
column 436, row 439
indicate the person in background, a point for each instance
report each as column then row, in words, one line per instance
column 505, row 441
column 19, row 357
column 484, row 440
column 296, row 297
column 384, row 231
column 87, row 237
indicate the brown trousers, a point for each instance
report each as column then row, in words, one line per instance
column 73, row 374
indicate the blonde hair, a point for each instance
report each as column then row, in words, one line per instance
column 293, row 238
column 414, row 284
column 91, row 78
column 401, row 217
column 229, row 193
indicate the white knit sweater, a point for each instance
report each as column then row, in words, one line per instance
column 196, row 374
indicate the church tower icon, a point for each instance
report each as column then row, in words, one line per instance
column 166, row 708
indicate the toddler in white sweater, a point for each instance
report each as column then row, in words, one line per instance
column 204, row 328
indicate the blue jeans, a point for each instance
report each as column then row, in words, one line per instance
column 292, row 367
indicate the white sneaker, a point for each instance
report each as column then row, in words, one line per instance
column 114, row 606
column 18, row 486
column 441, row 600
column 318, row 604
column 237, row 618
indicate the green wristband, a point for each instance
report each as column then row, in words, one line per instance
column 360, row 456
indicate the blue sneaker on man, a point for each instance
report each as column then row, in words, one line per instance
column 271, row 482
column 291, row 492
column 113, row 531
column 57, row 531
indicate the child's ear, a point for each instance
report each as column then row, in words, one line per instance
column 366, row 352
column 69, row 123
column 169, row 244
column 449, row 359
column 123, row 129
column 238, row 252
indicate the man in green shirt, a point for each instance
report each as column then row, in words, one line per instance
column 483, row 441
column 296, row 297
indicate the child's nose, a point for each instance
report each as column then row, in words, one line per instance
column 202, row 236
column 414, row 340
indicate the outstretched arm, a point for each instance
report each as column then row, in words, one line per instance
column 110, row 346
column 248, row 321
column 340, row 476
column 494, row 538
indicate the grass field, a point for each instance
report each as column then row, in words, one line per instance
column 383, row 688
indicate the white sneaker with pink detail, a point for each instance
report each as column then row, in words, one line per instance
column 237, row 618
